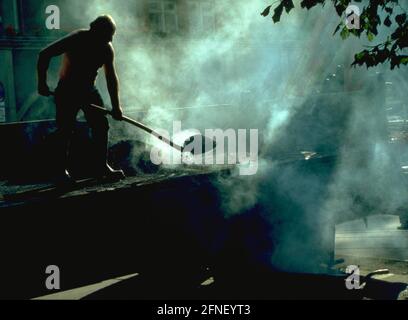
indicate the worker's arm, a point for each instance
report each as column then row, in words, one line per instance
column 112, row 83
column 55, row 49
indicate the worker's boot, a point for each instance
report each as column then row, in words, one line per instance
column 61, row 142
column 62, row 175
column 107, row 172
column 103, row 170
column 63, row 178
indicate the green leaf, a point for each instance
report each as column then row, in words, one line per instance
column 344, row 33
column 266, row 12
column 288, row 4
column 394, row 61
column 359, row 56
column 401, row 18
column 309, row 3
column 382, row 55
column 277, row 13
column 370, row 36
column 340, row 8
column 337, row 28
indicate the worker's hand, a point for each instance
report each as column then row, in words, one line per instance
column 43, row 90
column 117, row 114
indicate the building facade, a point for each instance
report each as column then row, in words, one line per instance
column 23, row 33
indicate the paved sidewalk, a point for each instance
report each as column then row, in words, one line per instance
column 380, row 238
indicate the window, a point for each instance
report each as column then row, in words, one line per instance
column 201, row 16
column 163, row 16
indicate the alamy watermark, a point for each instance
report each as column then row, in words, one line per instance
column 352, row 17
column 240, row 150
column 53, row 20
column 52, row 282
column 353, row 280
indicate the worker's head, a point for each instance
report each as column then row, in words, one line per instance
column 104, row 27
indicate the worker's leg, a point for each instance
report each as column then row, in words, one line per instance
column 66, row 111
column 99, row 125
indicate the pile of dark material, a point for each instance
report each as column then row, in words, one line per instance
column 29, row 156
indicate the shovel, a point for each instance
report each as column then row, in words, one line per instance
column 186, row 147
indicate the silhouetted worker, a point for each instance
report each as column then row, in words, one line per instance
column 85, row 52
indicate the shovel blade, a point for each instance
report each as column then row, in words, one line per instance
column 199, row 144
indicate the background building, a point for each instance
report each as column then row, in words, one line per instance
column 23, row 33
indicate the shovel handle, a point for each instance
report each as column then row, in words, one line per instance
column 141, row 126
column 137, row 124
